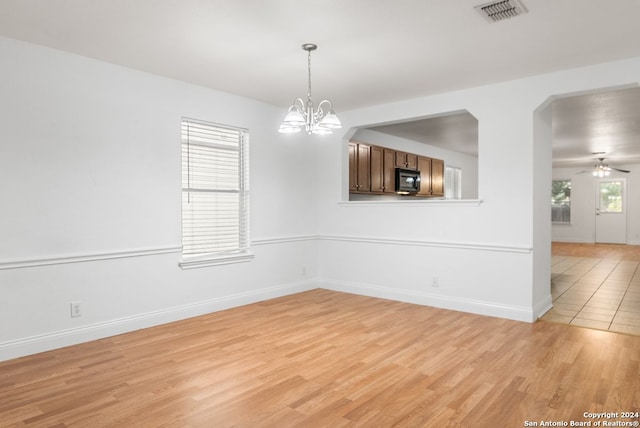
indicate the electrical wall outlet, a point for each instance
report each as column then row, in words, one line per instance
column 76, row 309
column 435, row 282
column 304, row 271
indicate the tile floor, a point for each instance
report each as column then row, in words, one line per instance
column 596, row 286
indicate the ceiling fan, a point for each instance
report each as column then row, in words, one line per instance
column 602, row 169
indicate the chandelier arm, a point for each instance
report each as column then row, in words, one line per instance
column 299, row 104
column 320, row 111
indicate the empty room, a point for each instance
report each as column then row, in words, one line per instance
column 309, row 214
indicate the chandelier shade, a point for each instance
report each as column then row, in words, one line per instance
column 304, row 115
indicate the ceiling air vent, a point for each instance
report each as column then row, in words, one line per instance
column 499, row 10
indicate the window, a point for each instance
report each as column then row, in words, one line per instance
column 452, row 182
column 610, row 197
column 215, row 194
column 561, row 201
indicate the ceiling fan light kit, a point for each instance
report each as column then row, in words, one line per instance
column 602, row 170
column 303, row 115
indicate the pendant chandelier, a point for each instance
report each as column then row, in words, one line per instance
column 303, row 115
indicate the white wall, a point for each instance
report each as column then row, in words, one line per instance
column 480, row 253
column 90, row 185
column 492, row 257
column 542, row 156
column 583, row 204
column 90, row 178
column 468, row 164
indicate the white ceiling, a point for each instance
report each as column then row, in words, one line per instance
column 370, row 51
column 605, row 124
column 456, row 131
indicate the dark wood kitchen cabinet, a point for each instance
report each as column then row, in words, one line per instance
column 389, row 171
column 372, row 169
column 406, row 160
column 377, row 169
column 424, row 166
column 382, row 170
column 437, row 177
column 431, row 176
column 359, row 167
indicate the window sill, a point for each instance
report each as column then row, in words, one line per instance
column 215, row 260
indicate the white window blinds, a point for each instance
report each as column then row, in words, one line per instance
column 215, row 190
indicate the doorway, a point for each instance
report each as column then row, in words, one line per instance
column 566, row 141
column 611, row 211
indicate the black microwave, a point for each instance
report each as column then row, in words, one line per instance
column 407, row 181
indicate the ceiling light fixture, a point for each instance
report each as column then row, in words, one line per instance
column 601, row 169
column 301, row 115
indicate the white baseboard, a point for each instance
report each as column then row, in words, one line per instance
column 590, row 241
column 542, row 307
column 428, row 299
column 572, row 240
column 59, row 339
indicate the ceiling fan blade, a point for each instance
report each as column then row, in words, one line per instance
column 621, row 170
column 582, row 172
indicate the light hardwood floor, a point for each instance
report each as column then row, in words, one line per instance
column 327, row 359
column 596, row 286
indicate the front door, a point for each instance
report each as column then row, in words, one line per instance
column 611, row 211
